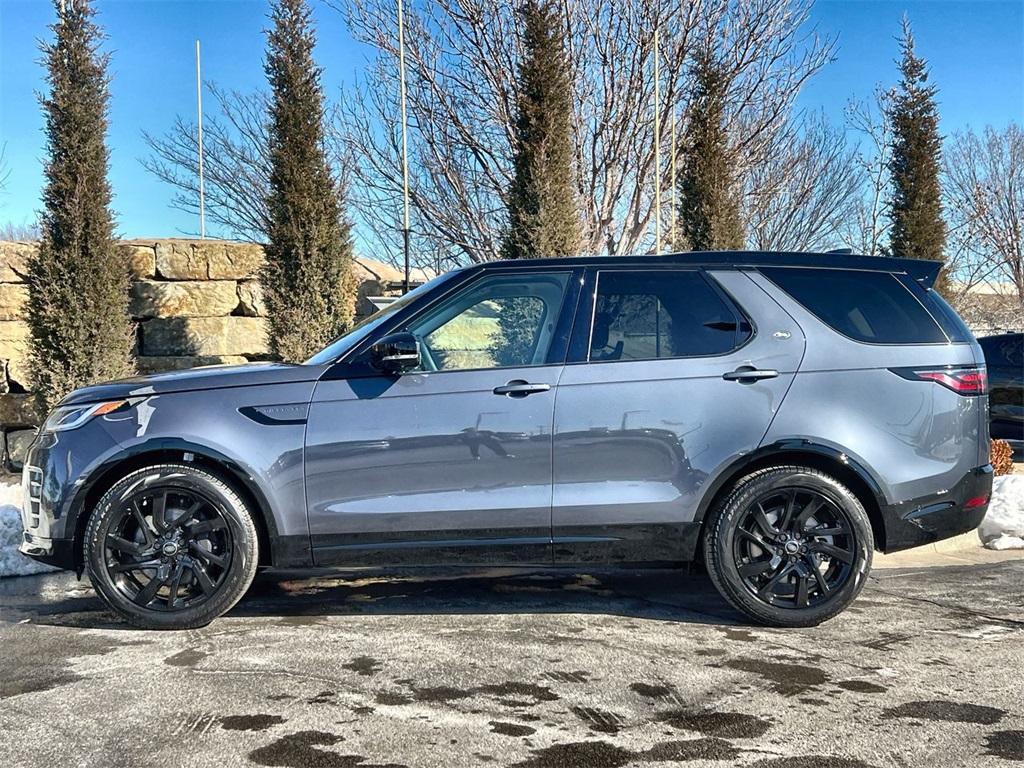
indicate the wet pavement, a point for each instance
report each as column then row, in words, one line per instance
column 516, row 668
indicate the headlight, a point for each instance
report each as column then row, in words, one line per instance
column 67, row 417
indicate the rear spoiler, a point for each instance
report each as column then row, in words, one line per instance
column 924, row 271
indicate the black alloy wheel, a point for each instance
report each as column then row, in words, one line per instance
column 168, row 548
column 172, row 546
column 789, row 546
column 794, row 547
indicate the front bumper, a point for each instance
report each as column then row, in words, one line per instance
column 39, row 524
column 59, row 553
column 56, row 468
column 938, row 516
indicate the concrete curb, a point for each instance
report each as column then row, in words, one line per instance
column 969, row 540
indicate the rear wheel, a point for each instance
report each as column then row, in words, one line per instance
column 171, row 546
column 789, row 546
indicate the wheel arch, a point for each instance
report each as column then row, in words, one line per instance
column 826, row 458
column 110, row 471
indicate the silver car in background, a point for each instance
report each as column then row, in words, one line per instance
column 779, row 416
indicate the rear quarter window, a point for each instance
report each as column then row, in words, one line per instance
column 872, row 307
column 947, row 318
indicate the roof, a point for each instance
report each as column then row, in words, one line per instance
column 371, row 269
column 922, row 270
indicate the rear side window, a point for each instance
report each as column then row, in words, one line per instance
column 873, row 307
column 662, row 314
column 947, row 318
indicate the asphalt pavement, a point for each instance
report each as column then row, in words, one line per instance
column 518, row 668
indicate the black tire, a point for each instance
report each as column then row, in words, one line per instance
column 762, row 550
column 171, row 546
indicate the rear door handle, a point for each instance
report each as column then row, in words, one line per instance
column 520, row 388
column 749, row 374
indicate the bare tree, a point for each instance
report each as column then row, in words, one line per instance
column 236, row 165
column 984, row 199
column 5, row 171
column 461, row 57
column 805, row 192
column 12, row 231
column 866, row 228
column 236, row 162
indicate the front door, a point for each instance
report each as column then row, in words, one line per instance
column 450, row 462
column 675, row 381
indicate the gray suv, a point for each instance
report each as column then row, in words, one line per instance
column 779, row 416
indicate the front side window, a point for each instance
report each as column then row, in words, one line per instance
column 368, row 325
column 500, row 321
column 662, row 313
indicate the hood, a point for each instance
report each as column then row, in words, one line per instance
column 197, row 379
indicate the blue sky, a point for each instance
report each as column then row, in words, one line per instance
column 976, row 51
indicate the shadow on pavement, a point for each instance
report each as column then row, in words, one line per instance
column 305, row 596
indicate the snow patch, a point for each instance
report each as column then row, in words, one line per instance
column 12, row 562
column 1003, row 526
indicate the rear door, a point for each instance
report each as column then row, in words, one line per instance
column 673, row 374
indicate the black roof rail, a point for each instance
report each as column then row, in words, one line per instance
column 922, row 270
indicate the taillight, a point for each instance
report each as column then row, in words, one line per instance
column 962, row 380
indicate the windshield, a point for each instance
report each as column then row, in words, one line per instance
column 367, row 325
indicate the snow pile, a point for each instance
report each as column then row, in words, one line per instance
column 1003, row 526
column 12, row 562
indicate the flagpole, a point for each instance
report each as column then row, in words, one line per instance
column 672, row 179
column 405, row 147
column 199, row 111
column 657, row 146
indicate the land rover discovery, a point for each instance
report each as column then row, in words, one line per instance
column 778, row 416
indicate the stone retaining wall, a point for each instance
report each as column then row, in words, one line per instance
column 195, row 302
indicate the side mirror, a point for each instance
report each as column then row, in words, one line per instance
column 396, row 353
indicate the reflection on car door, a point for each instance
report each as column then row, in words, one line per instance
column 451, row 462
column 669, row 383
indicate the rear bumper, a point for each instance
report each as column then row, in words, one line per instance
column 940, row 515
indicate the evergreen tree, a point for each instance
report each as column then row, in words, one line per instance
column 918, row 231
column 543, row 213
column 307, row 279
column 709, row 205
column 81, row 332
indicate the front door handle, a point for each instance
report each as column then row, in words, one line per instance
column 748, row 374
column 520, row 388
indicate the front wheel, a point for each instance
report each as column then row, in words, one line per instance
column 789, row 546
column 171, row 546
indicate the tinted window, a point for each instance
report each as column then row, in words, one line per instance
column 498, row 321
column 1005, row 350
column 944, row 315
column 866, row 306
column 647, row 315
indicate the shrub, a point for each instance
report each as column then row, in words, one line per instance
column 78, row 280
column 307, row 279
column 1001, row 456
